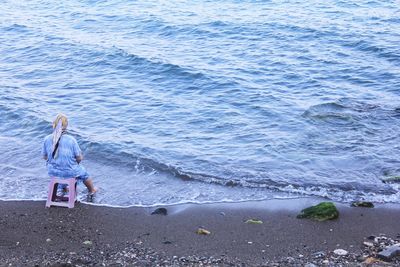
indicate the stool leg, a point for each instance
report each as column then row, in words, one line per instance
column 71, row 193
column 76, row 191
column 55, row 189
column 50, row 193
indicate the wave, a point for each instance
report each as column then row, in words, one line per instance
column 20, row 28
column 99, row 55
column 332, row 113
column 120, row 155
column 347, row 111
column 386, row 53
column 22, row 123
column 350, row 190
column 123, row 59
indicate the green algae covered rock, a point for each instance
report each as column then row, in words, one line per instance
column 322, row 212
column 363, row 204
column 391, row 179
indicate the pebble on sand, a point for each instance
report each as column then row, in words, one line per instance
column 340, row 252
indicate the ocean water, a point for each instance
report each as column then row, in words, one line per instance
column 204, row 101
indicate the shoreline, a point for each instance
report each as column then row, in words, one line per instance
column 294, row 202
column 92, row 235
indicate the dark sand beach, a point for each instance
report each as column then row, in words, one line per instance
column 90, row 235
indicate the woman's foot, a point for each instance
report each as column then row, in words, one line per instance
column 91, row 195
column 95, row 189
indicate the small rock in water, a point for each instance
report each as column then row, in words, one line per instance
column 363, row 204
column 231, row 183
column 161, row 211
column 340, row 252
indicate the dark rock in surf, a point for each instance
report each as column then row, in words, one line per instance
column 160, row 211
column 363, row 204
column 231, row 183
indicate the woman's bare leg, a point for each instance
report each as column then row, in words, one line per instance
column 90, row 186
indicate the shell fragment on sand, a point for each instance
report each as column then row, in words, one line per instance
column 202, row 231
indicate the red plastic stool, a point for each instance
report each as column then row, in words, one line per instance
column 62, row 201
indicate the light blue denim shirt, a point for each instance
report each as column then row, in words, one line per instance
column 64, row 165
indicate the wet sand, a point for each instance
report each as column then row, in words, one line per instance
column 94, row 235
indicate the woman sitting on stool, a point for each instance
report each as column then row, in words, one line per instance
column 63, row 155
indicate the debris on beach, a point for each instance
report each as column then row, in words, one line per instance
column 321, row 212
column 382, row 248
column 202, row 231
column 87, row 242
column 254, row 221
column 160, row 211
column 363, row 204
column 134, row 253
column 389, row 252
column 371, row 260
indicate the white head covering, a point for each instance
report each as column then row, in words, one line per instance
column 60, row 127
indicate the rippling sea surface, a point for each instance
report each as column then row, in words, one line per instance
column 204, row 101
